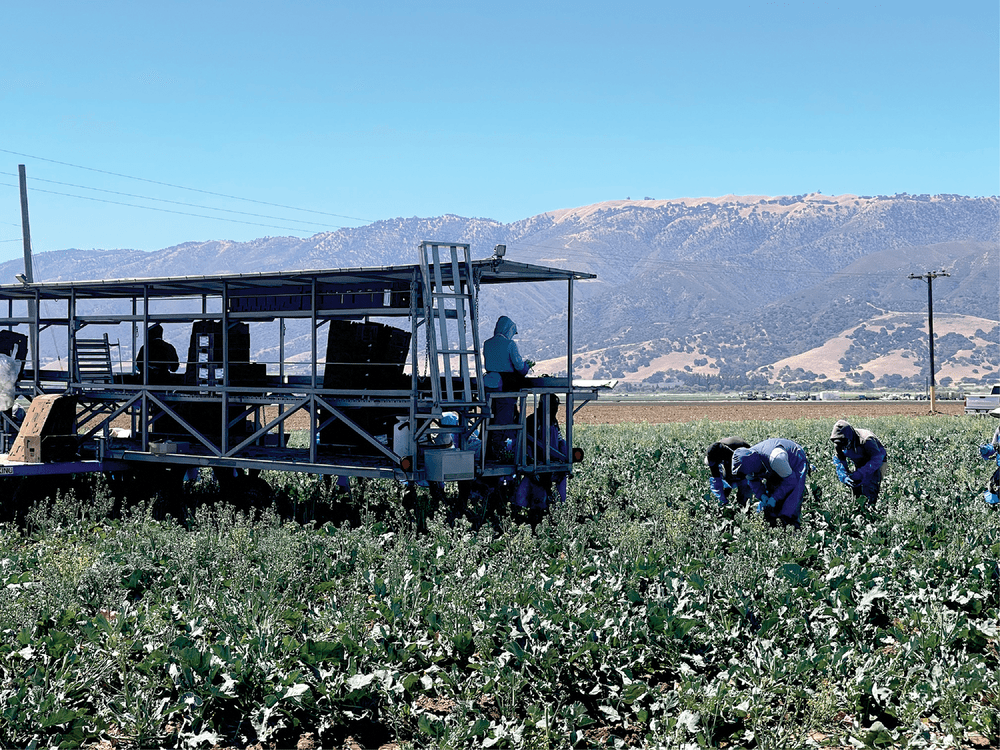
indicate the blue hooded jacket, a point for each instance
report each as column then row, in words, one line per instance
column 775, row 467
column 500, row 353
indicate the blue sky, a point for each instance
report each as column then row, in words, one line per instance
column 299, row 117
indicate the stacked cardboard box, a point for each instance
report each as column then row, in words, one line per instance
column 364, row 357
column 205, row 363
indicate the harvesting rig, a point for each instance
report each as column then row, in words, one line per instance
column 375, row 398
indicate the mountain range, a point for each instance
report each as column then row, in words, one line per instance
column 805, row 291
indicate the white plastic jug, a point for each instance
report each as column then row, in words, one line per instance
column 401, row 444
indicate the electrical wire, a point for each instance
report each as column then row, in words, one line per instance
column 165, row 210
column 181, row 187
column 176, row 203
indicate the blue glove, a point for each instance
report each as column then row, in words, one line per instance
column 987, row 451
column 851, row 481
column 766, row 501
column 841, row 471
column 718, row 487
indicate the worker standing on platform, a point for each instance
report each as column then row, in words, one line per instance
column 162, row 357
column 505, row 372
column 501, row 355
column 546, row 445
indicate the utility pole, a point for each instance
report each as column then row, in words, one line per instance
column 29, row 276
column 25, row 228
column 929, row 278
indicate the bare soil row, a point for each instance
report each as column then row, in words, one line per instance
column 659, row 412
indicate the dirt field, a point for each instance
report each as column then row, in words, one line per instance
column 658, row 412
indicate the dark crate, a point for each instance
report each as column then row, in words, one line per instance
column 351, row 346
column 206, row 336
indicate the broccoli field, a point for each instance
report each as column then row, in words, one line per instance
column 637, row 614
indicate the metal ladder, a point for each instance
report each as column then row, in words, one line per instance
column 93, row 360
column 449, row 297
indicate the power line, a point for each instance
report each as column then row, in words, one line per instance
column 182, row 187
column 163, row 210
column 176, row 203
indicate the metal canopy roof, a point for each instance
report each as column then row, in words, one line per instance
column 490, row 271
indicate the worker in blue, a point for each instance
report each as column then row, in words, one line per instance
column 775, row 470
column 546, row 445
column 991, row 451
column 722, row 480
column 505, row 371
column 501, row 355
column 863, row 449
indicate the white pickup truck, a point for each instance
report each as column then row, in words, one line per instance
column 980, row 403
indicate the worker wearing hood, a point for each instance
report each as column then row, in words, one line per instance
column 500, row 352
column 505, row 371
column 775, row 470
column 162, row 358
column 546, row 445
column 864, row 450
column 722, row 480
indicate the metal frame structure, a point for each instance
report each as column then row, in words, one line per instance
column 247, row 426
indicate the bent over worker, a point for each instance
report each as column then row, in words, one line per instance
column 720, row 466
column 864, row 450
column 775, row 470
